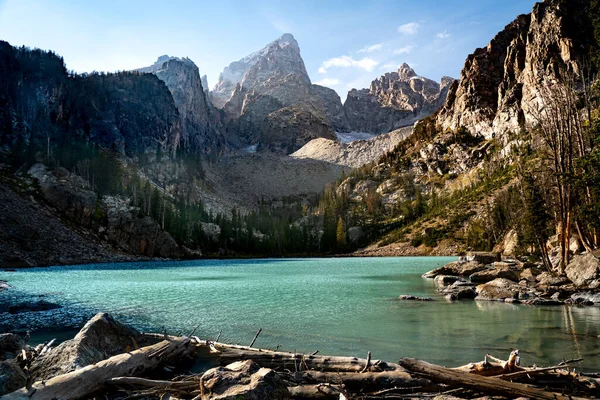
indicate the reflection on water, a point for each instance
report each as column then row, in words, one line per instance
column 336, row 306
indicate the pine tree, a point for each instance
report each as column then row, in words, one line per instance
column 341, row 234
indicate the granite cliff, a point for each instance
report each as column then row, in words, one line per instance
column 499, row 86
column 199, row 126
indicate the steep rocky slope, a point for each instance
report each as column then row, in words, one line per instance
column 41, row 104
column 499, row 86
column 270, row 101
column 354, row 154
column 199, row 128
column 394, row 100
column 32, row 234
column 334, row 110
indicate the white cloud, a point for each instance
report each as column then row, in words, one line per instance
column 409, row 29
column 393, row 65
column 328, row 82
column 404, row 50
column 367, row 64
column 443, row 35
column 370, row 49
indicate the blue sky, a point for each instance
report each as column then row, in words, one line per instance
column 345, row 44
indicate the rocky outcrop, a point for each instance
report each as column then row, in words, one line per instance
column 243, row 380
column 199, row 132
column 31, row 235
column 499, row 85
column 394, row 100
column 112, row 217
column 101, row 337
column 136, row 233
column 334, row 110
column 270, row 101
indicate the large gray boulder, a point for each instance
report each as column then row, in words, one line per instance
column 10, row 345
column 495, row 273
column 498, row 289
column 456, row 268
column 12, row 377
column 583, row 270
column 243, row 380
column 101, row 337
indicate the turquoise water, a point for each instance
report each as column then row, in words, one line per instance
column 340, row 306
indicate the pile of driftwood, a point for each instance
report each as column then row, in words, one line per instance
column 253, row 373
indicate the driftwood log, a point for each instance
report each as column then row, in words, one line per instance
column 296, row 362
column 80, row 384
column 484, row 384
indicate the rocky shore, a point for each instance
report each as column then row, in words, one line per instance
column 485, row 277
column 109, row 360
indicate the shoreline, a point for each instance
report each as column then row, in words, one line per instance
column 106, row 355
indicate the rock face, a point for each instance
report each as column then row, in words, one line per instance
column 199, row 133
column 334, row 110
column 121, row 223
column 267, row 99
column 101, row 337
column 395, row 100
column 243, row 380
column 499, row 85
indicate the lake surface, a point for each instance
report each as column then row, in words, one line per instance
column 343, row 306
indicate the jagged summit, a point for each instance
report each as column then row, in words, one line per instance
column 394, row 100
column 268, row 100
column 405, row 72
column 199, row 131
column 235, row 72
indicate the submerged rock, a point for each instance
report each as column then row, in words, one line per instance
column 414, row 298
column 32, row 306
column 243, row 380
column 101, row 337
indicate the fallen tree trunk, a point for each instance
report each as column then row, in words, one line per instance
column 361, row 382
column 81, row 383
column 479, row 383
column 296, row 362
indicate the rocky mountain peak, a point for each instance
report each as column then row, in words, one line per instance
column 405, row 72
column 198, row 131
column 284, row 47
column 267, row 99
column 394, row 100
